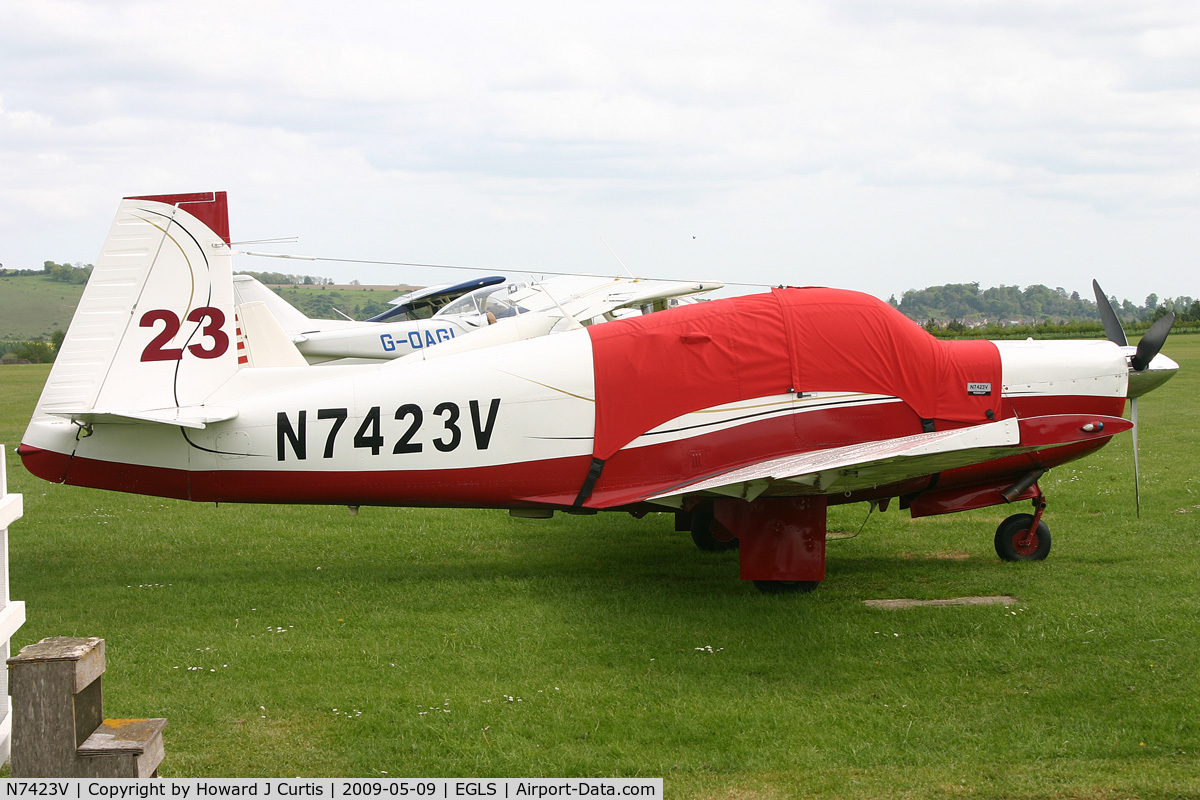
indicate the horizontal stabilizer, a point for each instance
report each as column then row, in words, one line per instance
column 191, row 417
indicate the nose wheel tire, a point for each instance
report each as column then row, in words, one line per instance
column 1015, row 542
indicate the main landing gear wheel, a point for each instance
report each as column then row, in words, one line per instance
column 1015, row 542
column 786, row 587
column 704, row 528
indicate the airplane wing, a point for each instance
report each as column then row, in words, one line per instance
column 586, row 297
column 870, row 464
column 634, row 294
column 860, row 466
column 565, row 302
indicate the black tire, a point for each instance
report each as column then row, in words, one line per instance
column 786, row 587
column 1013, row 530
column 703, row 523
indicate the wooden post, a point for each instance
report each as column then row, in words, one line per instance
column 59, row 730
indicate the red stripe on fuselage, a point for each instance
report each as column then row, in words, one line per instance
column 501, row 486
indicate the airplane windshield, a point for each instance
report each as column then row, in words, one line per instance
column 424, row 311
column 489, row 299
column 463, row 305
column 501, row 307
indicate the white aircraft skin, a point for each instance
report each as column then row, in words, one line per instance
column 562, row 303
column 158, row 391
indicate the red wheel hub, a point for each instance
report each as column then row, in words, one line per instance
column 1025, row 543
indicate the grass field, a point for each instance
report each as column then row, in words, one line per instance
column 285, row 641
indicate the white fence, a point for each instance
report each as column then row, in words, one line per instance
column 12, row 612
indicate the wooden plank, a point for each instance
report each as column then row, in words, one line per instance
column 132, row 736
column 992, row 600
column 123, row 748
column 43, row 740
column 88, row 655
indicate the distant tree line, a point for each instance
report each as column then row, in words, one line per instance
column 965, row 305
column 79, row 273
column 63, row 273
column 282, row 279
column 35, row 351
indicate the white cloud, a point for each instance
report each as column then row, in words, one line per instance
column 877, row 145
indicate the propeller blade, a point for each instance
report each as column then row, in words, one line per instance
column 1112, row 325
column 1137, row 487
column 1152, row 342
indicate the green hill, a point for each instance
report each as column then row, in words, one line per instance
column 33, row 306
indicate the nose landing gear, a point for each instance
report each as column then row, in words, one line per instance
column 1024, row 537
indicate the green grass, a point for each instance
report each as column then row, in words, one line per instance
column 418, row 626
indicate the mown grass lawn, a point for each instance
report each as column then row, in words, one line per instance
column 284, row 641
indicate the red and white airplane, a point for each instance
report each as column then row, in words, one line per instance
column 746, row 417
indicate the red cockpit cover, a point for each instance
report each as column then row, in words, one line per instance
column 653, row 368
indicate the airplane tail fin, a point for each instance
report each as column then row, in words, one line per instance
column 247, row 289
column 154, row 331
column 261, row 341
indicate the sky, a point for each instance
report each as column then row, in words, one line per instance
column 876, row 145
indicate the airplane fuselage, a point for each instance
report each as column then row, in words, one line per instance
column 513, row 427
